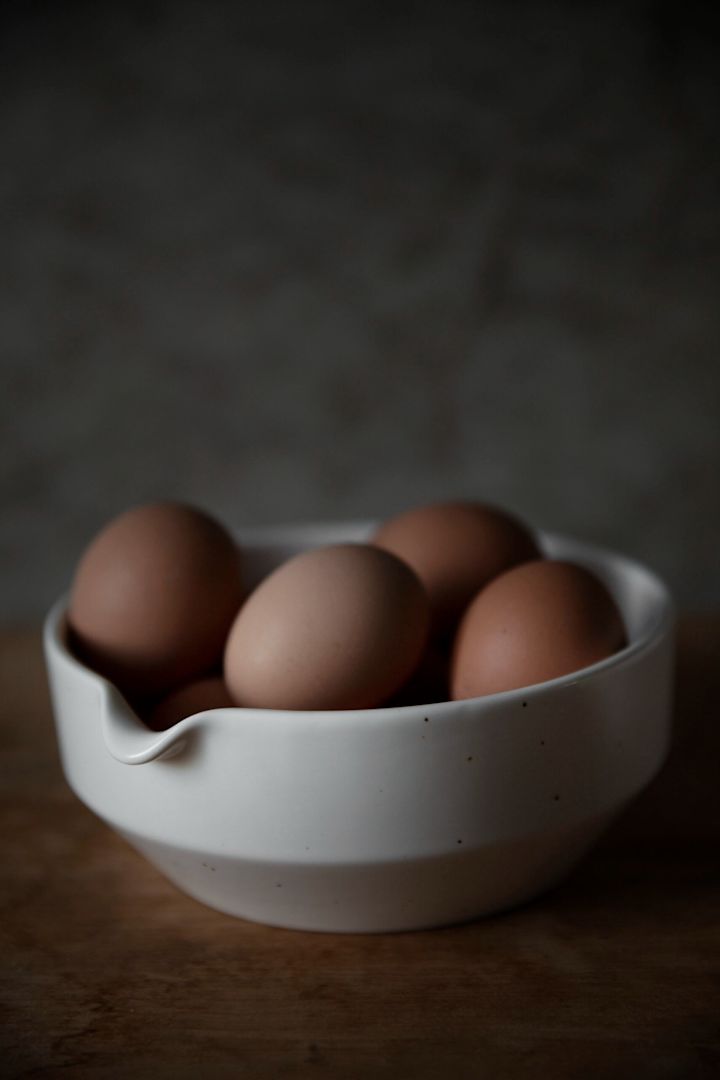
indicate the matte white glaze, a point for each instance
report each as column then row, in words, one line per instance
column 380, row 819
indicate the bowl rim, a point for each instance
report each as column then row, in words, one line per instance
column 305, row 534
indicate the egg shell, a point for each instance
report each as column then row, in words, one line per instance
column 196, row 697
column 455, row 548
column 337, row 627
column 154, row 596
column 536, row 622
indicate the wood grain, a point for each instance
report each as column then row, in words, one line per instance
column 108, row 971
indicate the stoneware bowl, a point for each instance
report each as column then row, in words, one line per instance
column 384, row 819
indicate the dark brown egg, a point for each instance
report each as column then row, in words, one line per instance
column 338, row 627
column 455, row 548
column 194, row 698
column 535, row 622
column 154, row 596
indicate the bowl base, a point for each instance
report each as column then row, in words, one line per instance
column 378, row 897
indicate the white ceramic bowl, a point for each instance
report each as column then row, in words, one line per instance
column 382, row 819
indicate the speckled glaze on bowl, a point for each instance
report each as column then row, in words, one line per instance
column 384, row 819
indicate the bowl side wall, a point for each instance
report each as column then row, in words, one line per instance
column 384, row 784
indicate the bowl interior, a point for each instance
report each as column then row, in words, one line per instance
column 642, row 598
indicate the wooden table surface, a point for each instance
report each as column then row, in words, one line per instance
column 108, row 971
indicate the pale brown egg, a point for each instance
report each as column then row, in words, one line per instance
column 455, row 548
column 154, row 596
column 533, row 623
column 338, row 627
column 196, row 697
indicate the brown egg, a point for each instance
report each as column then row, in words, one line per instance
column 154, row 596
column 194, row 698
column 339, row 627
column 455, row 548
column 535, row 622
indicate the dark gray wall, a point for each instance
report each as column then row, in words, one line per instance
column 308, row 260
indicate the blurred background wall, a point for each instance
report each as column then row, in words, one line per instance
column 319, row 260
